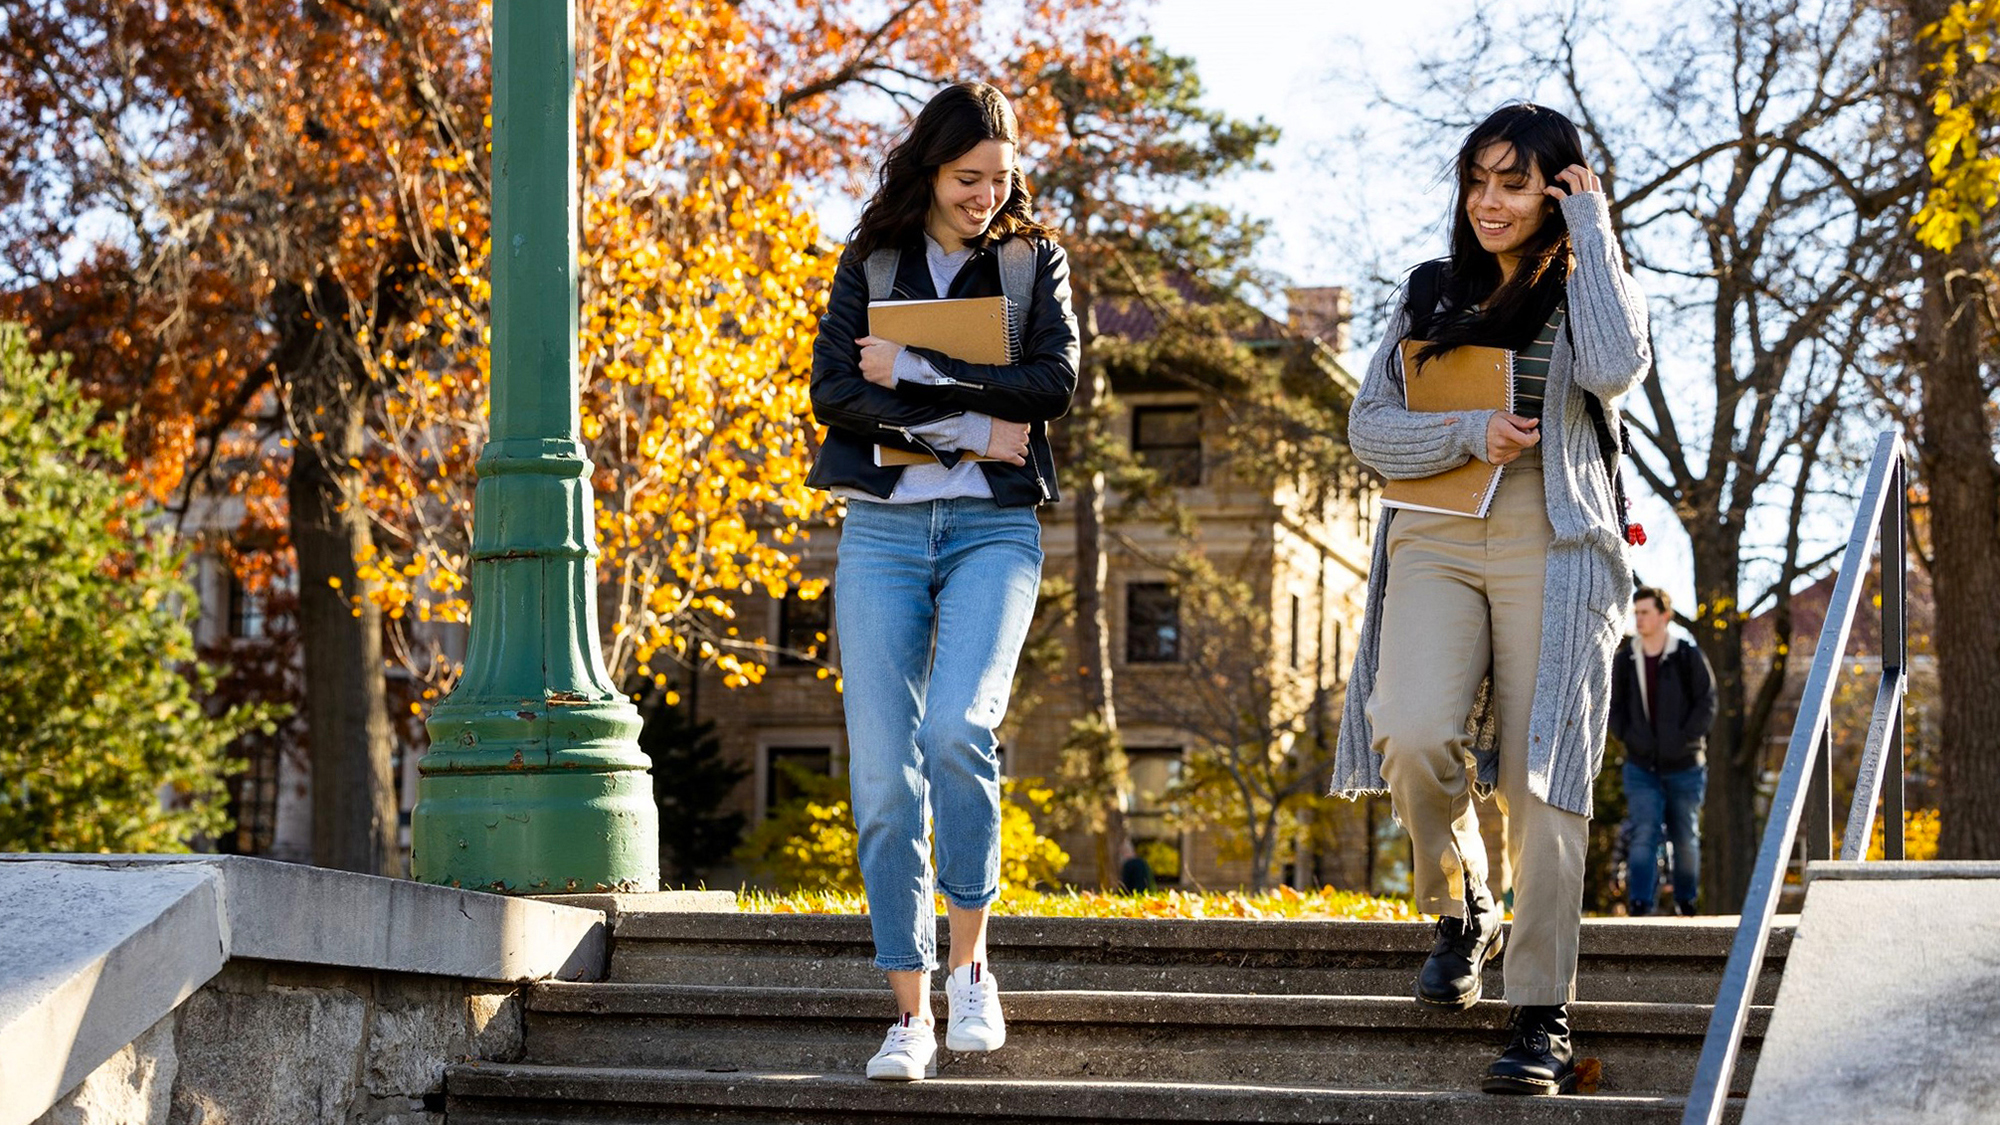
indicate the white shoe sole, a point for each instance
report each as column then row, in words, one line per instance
column 901, row 1074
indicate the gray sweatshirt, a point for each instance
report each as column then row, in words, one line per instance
column 1588, row 589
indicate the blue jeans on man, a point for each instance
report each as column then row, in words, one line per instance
column 1669, row 801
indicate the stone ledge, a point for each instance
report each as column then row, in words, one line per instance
column 1882, row 869
column 313, row 915
column 93, row 958
column 615, row 907
column 115, row 943
column 1888, row 1005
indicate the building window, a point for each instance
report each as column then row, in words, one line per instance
column 1364, row 513
column 1152, row 623
column 804, row 624
column 784, row 764
column 1339, row 652
column 1154, row 771
column 1167, row 440
column 1298, row 650
column 246, row 611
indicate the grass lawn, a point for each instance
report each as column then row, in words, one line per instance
column 1281, row 902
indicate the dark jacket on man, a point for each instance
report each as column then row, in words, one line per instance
column 1665, row 730
column 859, row 414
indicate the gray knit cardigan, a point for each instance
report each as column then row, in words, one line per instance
column 1588, row 588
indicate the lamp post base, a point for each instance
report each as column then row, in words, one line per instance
column 501, row 812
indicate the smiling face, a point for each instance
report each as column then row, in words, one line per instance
column 1505, row 202
column 968, row 192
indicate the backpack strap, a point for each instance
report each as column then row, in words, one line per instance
column 1425, row 291
column 1017, row 282
column 881, row 270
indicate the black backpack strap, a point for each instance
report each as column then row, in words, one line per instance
column 1426, row 289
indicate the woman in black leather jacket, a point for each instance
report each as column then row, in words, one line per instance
column 940, row 560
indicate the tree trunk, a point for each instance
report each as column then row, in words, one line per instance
column 340, row 630
column 1729, row 811
column 1093, row 628
column 1955, row 450
column 1956, row 447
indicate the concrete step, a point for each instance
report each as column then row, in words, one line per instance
column 1675, row 961
column 1352, row 1042
column 527, row 1094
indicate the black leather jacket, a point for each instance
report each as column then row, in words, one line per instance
column 859, row 414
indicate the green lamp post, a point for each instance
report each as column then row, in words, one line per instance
column 534, row 783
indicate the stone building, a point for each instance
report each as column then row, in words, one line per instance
column 1299, row 548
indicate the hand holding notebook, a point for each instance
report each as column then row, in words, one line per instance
column 1464, row 378
column 973, row 329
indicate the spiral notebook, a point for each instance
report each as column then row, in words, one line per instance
column 973, row 329
column 1464, row 378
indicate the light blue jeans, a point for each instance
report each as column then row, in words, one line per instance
column 931, row 604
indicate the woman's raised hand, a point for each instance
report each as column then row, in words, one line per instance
column 1009, row 442
column 878, row 360
column 1574, row 180
column 1508, row 434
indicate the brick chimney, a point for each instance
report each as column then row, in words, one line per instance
column 1319, row 311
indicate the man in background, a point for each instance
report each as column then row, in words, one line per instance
column 1662, row 702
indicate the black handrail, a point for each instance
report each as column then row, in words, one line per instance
column 1806, row 785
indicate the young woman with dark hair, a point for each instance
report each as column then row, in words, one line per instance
column 1534, row 594
column 939, row 562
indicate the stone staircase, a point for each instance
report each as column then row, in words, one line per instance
column 768, row 1019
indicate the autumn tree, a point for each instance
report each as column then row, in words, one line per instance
column 104, row 742
column 1949, row 66
column 263, row 227
column 248, row 188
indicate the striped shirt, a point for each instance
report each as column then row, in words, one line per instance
column 1531, row 368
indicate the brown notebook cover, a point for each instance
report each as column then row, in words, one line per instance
column 973, row 329
column 1465, row 378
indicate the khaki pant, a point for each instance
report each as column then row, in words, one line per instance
column 1464, row 593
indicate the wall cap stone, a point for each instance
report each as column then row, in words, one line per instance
column 1882, row 869
column 93, row 957
column 101, row 947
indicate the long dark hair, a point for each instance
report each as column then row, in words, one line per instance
column 1510, row 315
column 954, row 122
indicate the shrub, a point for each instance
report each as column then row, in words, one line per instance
column 809, row 843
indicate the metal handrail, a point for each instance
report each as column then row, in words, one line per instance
column 1805, row 788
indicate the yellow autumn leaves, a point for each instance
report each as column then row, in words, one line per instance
column 1965, row 175
column 701, row 281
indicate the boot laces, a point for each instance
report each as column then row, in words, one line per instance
column 1530, row 1032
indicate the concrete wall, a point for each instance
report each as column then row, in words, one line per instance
column 268, row 1043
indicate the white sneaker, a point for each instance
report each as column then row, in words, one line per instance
column 908, row 1053
column 974, row 998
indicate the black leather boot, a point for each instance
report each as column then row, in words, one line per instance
column 1451, row 977
column 1539, row 1058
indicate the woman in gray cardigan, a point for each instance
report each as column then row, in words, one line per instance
column 1488, row 641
